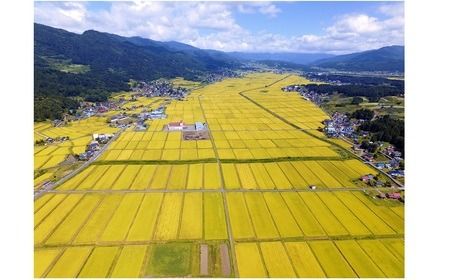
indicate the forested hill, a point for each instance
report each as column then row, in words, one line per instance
column 94, row 64
column 389, row 59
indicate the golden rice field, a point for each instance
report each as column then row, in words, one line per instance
column 149, row 204
column 282, row 175
column 80, row 134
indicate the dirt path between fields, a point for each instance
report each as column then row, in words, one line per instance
column 204, row 260
column 225, row 260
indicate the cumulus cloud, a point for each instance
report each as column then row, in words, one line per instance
column 265, row 8
column 213, row 25
column 68, row 15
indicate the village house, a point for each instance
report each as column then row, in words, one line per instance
column 381, row 195
column 93, row 146
column 368, row 157
column 367, row 178
column 174, row 126
column 397, row 173
column 102, row 138
column 141, row 126
column 394, row 195
column 121, row 120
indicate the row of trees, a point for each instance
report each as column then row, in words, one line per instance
column 372, row 92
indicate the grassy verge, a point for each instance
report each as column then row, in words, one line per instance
column 169, row 260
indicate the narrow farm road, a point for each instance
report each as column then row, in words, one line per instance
column 50, row 186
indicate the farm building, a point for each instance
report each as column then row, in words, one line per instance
column 199, row 126
column 121, row 120
column 172, row 126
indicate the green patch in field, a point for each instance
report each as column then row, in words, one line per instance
column 169, row 260
column 66, row 65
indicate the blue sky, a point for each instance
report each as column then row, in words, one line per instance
column 307, row 17
column 332, row 27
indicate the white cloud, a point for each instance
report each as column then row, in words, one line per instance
column 70, row 15
column 355, row 24
column 265, row 8
column 213, row 26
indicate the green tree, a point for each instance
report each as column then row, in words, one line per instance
column 357, row 100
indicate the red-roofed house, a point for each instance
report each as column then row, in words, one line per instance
column 394, row 195
column 175, row 125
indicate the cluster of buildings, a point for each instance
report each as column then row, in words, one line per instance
column 124, row 120
column 306, row 94
column 219, row 76
column 324, row 77
column 120, row 120
column 391, row 152
column 50, row 140
column 159, row 88
column 153, row 114
column 372, row 180
column 339, row 125
column 159, row 113
column 89, row 109
column 93, row 147
column 394, row 195
column 392, row 165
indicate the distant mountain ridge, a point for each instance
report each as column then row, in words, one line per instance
column 135, row 57
column 93, row 64
column 291, row 57
column 391, row 58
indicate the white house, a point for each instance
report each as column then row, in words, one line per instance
column 199, row 126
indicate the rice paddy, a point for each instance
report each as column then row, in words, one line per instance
column 153, row 204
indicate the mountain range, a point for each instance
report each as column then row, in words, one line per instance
column 389, row 59
column 93, row 64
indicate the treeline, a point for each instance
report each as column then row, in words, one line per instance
column 360, row 80
column 372, row 92
column 362, row 114
column 387, row 129
column 49, row 82
column 52, row 107
column 55, row 91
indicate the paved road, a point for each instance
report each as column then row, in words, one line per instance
column 50, row 186
column 400, row 185
column 224, row 199
column 339, row 189
column 223, row 190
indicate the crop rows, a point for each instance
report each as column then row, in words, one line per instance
column 312, row 259
column 110, row 219
column 137, row 209
column 270, row 215
column 270, row 175
column 317, row 259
